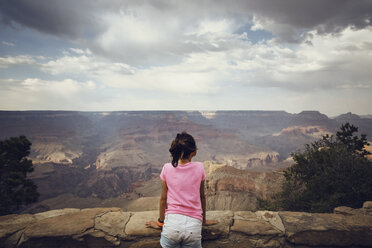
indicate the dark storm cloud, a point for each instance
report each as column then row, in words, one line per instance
column 325, row 16
column 73, row 18
column 289, row 18
column 67, row 18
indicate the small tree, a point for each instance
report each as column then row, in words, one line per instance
column 15, row 189
column 330, row 172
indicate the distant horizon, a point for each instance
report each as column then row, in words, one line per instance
column 182, row 110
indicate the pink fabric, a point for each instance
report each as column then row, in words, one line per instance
column 183, row 184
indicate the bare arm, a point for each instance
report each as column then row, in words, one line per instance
column 163, row 200
column 203, row 200
column 162, row 207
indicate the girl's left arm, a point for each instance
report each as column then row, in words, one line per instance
column 163, row 200
column 162, row 206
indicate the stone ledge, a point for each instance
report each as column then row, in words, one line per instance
column 111, row 227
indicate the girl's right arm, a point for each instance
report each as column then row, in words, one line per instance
column 203, row 201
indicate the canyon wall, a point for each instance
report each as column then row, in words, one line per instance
column 228, row 188
column 111, row 227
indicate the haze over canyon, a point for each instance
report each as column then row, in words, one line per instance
column 113, row 159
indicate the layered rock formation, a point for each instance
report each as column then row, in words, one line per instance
column 103, row 155
column 115, row 139
column 249, row 161
column 228, row 188
column 111, row 227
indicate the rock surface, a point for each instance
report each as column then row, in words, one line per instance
column 327, row 229
column 112, row 223
column 111, row 227
column 228, row 188
column 136, row 224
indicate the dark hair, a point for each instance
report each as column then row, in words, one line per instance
column 182, row 146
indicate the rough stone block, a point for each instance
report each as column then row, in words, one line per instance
column 327, row 229
column 65, row 225
column 221, row 229
column 251, row 224
column 347, row 211
column 367, row 208
column 12, row 240
column 136, row 225
column 112, row 223
column 273, row 218
column 12, row 223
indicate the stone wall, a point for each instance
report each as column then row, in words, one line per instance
column 111, row 227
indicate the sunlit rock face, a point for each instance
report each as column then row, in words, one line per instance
column 233, row 189
column 112, row 227
column 249, row 161
column 305, row 131
column 49, row 151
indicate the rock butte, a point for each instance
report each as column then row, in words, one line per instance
column 111, row 227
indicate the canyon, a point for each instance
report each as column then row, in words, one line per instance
column 113, row 159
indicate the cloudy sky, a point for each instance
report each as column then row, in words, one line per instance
column 186, row 55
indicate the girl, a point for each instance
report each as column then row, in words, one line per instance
column 182, row 202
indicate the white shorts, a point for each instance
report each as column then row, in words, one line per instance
column 182, row 230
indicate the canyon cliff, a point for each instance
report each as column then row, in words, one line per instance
column 104, row 159
column 227, row 188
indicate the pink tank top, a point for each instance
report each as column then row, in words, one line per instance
column 183, row 184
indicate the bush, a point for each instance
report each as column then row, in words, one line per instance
column 330, row 172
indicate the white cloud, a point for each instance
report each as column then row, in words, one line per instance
column 84, row 64
column 221, row 27
column 148, row 36
column 35, row 93
column 81, row 51
column 11, row 44
column 331, row 61
column 65, row 88
column 5, row 62
column 186, row 77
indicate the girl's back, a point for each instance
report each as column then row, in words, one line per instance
column 183, row 184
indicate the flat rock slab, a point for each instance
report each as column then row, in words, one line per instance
column 112, row 223
column 65, row 225
column 220, row 230
column 56, row 212
column 252, row 224
column 12, row 223
column 136, row 225
column 348, row 211
column 327, row 229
